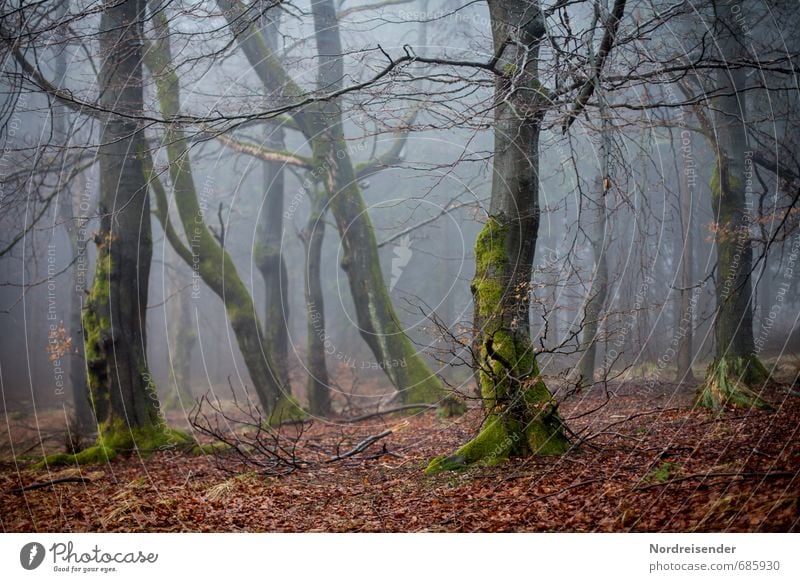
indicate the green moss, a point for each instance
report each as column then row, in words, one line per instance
column 148, row 439
column 716, row 186
column 445, row 463
column 93, row 455
column 209, row 448
column 286, row 410
column 491, row 446
column 510, row 69
column 490, row 251
column 451, row 406
column 97, row 327
column 544, row 435
column 663, row 473
column 728, row 382
column 522, row 416
column 491, row 261
column 115, row 439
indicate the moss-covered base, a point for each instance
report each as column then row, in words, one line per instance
column 117, row 439
column 491, row 446
column 502, row 438
column 286, row 410
column 210, row 448
column 92, row 456
column 729, row 382
column 451, row 406
column 145, row 439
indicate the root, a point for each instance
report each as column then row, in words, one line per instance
column 728, row 382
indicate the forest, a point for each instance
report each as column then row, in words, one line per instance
column 400, row 266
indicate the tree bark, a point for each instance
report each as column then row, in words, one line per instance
column 269, row 258
column 321, row 125
column 521, row 415
column 736, row 369
column 596, row 300
column 318, row 388
column 378, row 324
column 205, row 255
column 122, row 390
column 685, row 319
column 183, row 338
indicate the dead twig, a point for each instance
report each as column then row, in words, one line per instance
column 361, row 446
column 50, row 483
column 388, row 411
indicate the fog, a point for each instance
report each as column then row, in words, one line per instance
column 427, row 206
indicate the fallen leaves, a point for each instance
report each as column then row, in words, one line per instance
column 736, row 472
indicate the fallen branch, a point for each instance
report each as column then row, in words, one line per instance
column 388, row 411
column 631, row 417
column 361, row 446
column 44, row 484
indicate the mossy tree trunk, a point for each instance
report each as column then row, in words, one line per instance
column 736, row 369
column 321, row 126
column 377, row 321
column 521, row 415
column 318, row 388
column 204, row 254
column 84, row 414
column 114, row 321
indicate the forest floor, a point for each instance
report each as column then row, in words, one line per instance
column 648, row 462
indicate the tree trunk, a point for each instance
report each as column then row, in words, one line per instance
column 114, row 322
column 736, row 369
column 270, row 263
column 521, row 414
column 84, row 415
column 269, row 258
column 319, row 396
column 208, row 258
column 321, row 126
column 378, row 323
column 685, row 321
column 183, row 338
column 596, row 300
